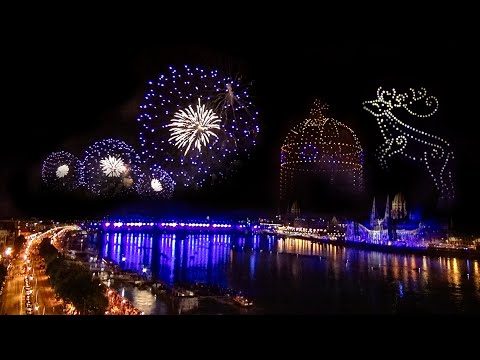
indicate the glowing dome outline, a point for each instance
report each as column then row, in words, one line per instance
column 322, row 146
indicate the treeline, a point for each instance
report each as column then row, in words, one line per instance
column 73, row 282
column 17, row 246
column 3, row 273
column 18, row 243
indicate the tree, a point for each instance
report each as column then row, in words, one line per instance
column 73, row 282
column 97, row 301
column 18, row 243
column 47, row 250
column 3, row 272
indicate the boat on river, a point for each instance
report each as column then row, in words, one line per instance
column 242, row 301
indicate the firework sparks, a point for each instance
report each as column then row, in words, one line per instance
column 194, row 127
column 112, row 166
column 62, row 171
column 156, row 185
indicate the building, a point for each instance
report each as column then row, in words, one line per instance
column 8, row 232
column 397, row 227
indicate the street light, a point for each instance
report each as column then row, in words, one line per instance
column 8, row 251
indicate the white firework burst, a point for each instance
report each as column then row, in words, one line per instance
column 156, row 185
column 62, row 171
column 112, row 166
column 194, row 127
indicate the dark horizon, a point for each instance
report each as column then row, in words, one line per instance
column 79, row 94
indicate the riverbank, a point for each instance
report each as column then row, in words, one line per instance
column 290, row 276
column 152, row 302
column 429, row 251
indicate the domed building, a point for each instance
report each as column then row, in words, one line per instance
column 295, row 210
column 399, row 207
column 319, row 155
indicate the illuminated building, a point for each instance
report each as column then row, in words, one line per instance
column 399, row 208
column 295, row 210
column 397, row 227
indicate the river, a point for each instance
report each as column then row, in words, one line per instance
column 294, row 276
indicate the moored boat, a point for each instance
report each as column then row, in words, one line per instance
column 242, row 301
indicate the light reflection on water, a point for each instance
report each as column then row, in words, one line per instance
column 143, row 300
column 297, row 276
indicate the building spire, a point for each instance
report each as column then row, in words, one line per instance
column 373, row 215
column 386, row 218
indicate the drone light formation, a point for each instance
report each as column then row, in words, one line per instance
column 322, row 147
column 195, row 122
column 405, row 140
column 110, row 167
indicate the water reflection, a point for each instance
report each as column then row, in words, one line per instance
column 143, row 300
column 297, row 276
column 198, row 257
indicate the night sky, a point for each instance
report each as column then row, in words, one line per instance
column 67, row 94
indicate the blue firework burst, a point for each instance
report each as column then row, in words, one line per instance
column 195, row 123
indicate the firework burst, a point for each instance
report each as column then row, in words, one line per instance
column 195, row 123
column 110, row 168
column 194, row 127
column 157, row 183
column 61, row 171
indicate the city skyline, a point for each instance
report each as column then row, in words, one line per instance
column 95, row 93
